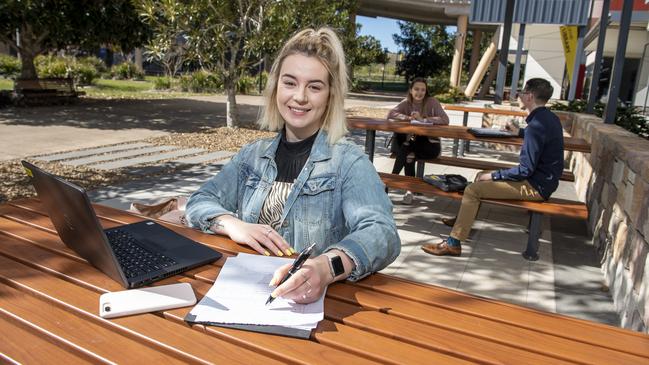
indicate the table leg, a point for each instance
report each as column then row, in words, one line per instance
column 464, row 145
column 531, row 252
column 370, row 136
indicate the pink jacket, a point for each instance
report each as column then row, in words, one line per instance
column 432, row 111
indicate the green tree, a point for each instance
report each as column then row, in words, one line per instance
column 35, row 26
column 368, row 51
column 167, row 43
column 224, row 37
column 428, row 50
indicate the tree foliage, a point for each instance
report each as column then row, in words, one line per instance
column 55, row 24
column 369, row 51
column 428, row 50
column 167, row 43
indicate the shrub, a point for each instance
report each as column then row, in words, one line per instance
column 126, row 70
column 439, row 84
column 451, row 96
column 358, row 85
column 162, row 83
column 84, row 74
column 95, row 62
column 83, row 71
column 9, row 66
column 200, row 82
column 246, row 83
column 627, row 117
column 51, row 66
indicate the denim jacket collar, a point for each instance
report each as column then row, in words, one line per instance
column 320, row 151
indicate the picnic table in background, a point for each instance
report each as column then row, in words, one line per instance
column 371, row 125
column 49, row 304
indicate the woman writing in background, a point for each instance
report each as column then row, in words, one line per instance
column 307, row 184
column 419, row 107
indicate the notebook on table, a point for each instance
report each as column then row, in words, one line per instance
column 490, row 132
column 133, row 254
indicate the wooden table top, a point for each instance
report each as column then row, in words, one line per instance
column 450, row 131
column 49, row 314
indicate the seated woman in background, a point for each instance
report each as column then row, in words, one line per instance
column 421, row 107
column 306, row 185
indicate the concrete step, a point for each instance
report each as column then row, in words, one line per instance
column 114, row 156
column 212, row 156
column 90, row 151
column 144, row 159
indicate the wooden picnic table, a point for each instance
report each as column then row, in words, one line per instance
column 49, row 304
column 371, row 125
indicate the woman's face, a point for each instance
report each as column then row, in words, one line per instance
column 302, row 95
column 418, row 91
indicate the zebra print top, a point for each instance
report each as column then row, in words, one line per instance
column 290, row 159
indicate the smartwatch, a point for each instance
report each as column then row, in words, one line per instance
column 336, row 266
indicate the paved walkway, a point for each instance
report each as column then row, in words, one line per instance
column 566, row 279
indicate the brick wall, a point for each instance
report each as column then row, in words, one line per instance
column 614, row 181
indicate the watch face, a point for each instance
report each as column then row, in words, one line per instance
column 337, row 265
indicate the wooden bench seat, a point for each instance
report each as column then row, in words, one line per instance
column 46, row 90
column 474, row 164
column 554, row 207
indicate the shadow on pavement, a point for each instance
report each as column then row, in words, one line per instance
column 169, row 115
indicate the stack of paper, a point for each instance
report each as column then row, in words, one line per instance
column 237, row 299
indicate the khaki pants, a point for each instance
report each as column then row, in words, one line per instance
column 515, row 190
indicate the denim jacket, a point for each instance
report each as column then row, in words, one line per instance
column 337, row 201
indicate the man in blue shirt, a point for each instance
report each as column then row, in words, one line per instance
column 535, row 178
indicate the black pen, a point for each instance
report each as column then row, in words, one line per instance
column 297, row 265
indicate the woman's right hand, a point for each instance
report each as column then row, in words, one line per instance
column 260, row 237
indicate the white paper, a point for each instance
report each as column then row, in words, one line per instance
column 240, row 292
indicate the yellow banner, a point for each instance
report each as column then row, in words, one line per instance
column 569, row 41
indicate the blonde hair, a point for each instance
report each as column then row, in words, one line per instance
column 324, row 45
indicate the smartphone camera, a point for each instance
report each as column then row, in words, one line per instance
column 107, row 308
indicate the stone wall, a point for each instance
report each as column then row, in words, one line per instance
column 613, row 180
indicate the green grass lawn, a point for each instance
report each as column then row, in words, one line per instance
column 127, row 89
column 117, row 89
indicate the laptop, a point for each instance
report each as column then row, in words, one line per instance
column 490, row 132
column 134, row 254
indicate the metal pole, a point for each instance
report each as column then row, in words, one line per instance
column 575, row 67
column 504, row 52
column 618, row 62
column 517, row 64
column 597, row 70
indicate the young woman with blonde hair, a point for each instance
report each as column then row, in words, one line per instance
column 306, row 185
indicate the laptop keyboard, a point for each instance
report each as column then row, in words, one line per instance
column 135, row 259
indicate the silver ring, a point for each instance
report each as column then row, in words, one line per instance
column 304, row 296
column 268, row 231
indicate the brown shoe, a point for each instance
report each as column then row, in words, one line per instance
column 442, row 249
column 449, row 221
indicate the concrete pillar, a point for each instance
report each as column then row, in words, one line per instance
column 138, row 59
column 594, row 83
column 618, row 62
column 504, row 52
column 458, row 55
column 576, row 67
column 481, row 69
column 486, row 84
column 517, row 64
column 475, row 51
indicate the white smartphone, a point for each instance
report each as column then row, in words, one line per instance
column 156, row 298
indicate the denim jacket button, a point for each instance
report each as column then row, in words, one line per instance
column 285, row 224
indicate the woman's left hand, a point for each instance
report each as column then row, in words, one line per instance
column 307, row 284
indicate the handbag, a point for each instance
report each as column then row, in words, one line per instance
column 448, row 183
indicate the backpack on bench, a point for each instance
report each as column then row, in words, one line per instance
column 447, row 183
